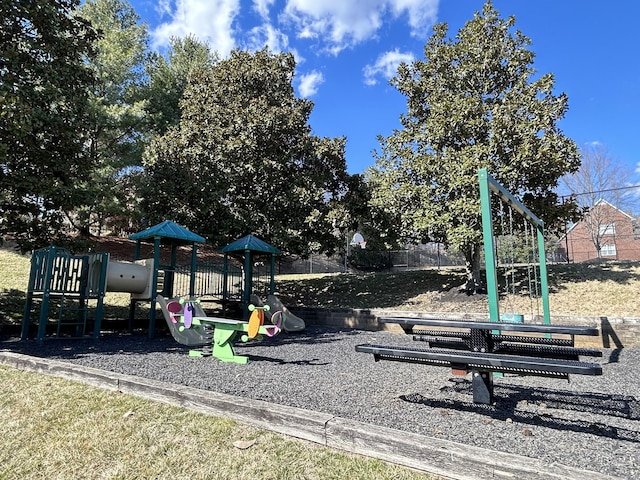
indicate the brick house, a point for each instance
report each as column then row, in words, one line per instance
column 617, row 233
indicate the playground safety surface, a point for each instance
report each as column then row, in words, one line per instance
column 317, row 387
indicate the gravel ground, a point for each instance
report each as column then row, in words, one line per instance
column 591, row 423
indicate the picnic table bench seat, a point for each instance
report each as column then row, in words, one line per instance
column 507, row 344
column 482, row 349
column 490, row 362
column 486, row 325
column 420, row 335
column 534, row 339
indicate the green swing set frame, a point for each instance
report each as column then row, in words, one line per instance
column 488, row 184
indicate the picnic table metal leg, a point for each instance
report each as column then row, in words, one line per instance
column 482, row 383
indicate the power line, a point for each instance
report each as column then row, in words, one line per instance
column 601, row 191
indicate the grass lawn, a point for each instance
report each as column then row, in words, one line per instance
column 59, row 429
column 590, row 289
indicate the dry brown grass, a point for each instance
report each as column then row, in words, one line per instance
column 58, row 429
column 596, row 289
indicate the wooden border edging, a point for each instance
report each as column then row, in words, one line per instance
column 441, row 457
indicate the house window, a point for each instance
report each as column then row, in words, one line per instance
column 608, row 250
column 607, row 229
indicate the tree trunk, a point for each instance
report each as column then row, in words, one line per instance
column 474, row 283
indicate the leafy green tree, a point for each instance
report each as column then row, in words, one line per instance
column 168, row 79
column 472, row 103
column 118, row 122
column 243, row 159
column 44, row 82
column 352, row 214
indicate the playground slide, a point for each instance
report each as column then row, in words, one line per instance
column 290, row 323
column 191, row 337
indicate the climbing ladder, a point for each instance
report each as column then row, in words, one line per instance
column 72, row 316
column 60, row 287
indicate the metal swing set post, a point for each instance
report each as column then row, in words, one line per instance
column 489, row 184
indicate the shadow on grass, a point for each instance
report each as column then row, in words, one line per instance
column 388, row 290
column 12, row 306
column 522, row 278
column 620, row 273
column 114, row 317
column 371, row 290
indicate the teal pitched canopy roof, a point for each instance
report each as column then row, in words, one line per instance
column 251, row 243
column 168, row 230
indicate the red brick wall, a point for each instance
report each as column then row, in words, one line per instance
column 581, row 247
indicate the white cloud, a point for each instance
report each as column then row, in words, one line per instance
column 422, row 14
column 210, row 21
column 267, row 35
column 309, row 83
column 262, row 7
column 163, row 7
column 334, row 24
column 344, row 23
column 386, row 65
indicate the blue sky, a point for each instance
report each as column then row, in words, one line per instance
column 348, row 49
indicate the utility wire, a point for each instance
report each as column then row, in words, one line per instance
column 601, row 191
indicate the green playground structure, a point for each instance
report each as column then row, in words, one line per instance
column 72, row 282
column 65, row 294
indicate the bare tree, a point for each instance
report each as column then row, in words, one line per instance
column 599, row 187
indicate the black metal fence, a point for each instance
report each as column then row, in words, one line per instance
column 365, row 260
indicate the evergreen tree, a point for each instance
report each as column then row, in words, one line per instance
column 168, row 79
column 44, row 84
column 472, row 103
column 243, row 159
column 118, row 123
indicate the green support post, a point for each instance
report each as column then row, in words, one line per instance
column 100, row 293
column 26, row 318
column 544, row 286
column 489, row 249
column 488, row 184
column 248, row 282
column 192, row 277
column 46, row 293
